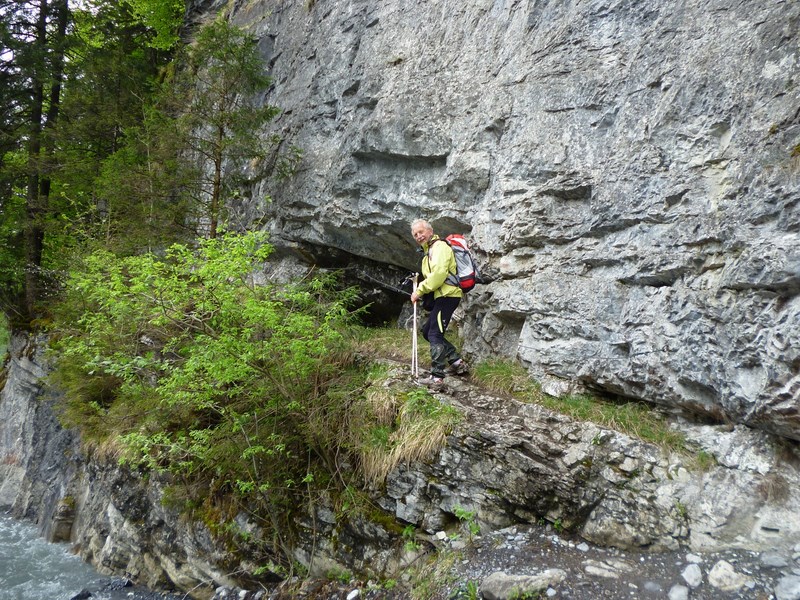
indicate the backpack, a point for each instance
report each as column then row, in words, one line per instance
column 467, row 273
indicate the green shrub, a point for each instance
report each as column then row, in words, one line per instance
column 189, row 368
column 5, row 337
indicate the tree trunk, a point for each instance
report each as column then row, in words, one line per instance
column 40, row 147
column 34, row 231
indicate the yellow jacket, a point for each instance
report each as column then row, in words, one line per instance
column 438, row 262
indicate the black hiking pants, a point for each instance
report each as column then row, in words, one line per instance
column 443, row 353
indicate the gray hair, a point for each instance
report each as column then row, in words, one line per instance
column 422, row 222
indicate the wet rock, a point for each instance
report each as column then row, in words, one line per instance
column 678, row 592
column 724, row 576
column 788, row 588
column 692, row 575
column 774, row 560
column 502, row 586
column 610, row 569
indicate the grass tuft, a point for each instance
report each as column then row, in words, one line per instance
column 506, row 377
column 400, row 426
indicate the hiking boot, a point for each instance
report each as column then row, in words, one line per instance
column 459, row 368
column 435, row 383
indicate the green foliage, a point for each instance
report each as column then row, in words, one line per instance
column 11, row 250
column 194, row 370
column 163, row 17
column 472, row 591
column 410, row 539
column 468, row 517
column 73, row 93
column 517, row 593
column 112, row 186
column 5, row 335
column 135, row 158
column 157, row 21
column 343, row 576
column 216, row 96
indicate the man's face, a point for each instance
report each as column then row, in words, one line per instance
column 421, row 234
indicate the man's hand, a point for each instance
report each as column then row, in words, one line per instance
column 414, row 297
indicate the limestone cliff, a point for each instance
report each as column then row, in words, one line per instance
column 628, row 173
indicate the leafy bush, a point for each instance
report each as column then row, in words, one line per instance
column 190, row 368
column 248, row 396
column 5, row 335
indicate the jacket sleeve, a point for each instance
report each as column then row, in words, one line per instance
column 439, row 260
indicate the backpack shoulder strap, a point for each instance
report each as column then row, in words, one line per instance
column 452, row 278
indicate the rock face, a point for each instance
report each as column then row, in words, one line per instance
column 629, row 174
column 506, row 463
column 511, row 462
column 37, row 457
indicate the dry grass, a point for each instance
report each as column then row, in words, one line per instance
column 398, row 426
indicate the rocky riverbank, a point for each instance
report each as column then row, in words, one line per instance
column 539, row 562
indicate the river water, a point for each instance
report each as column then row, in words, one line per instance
column 33, row 569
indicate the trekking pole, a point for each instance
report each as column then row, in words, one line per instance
column 414, row 359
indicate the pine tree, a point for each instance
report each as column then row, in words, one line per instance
column 215, row 98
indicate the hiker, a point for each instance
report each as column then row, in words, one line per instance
column 437, row 264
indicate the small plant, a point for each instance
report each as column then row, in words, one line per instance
column 472, row 590
column 598, row 440
column 704, row 461
column 467, row 518
column 410, row 536
column 341, row 575
column 558, row 525
column 466, row 590
column 518, row 594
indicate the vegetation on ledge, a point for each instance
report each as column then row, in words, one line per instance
column 249, row 396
